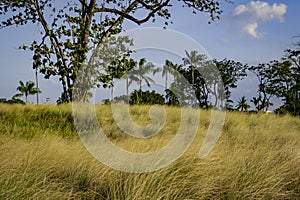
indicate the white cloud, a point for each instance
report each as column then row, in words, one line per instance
column 258, row 11
column 251, row 30
column 239, row 10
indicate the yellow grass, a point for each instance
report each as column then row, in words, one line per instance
column 256, row 157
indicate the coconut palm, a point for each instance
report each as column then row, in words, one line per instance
column 242, row 104
column 115, row 73
column 141, row 72
column 171, row 68
column 256, row 102
column 129, row 65
column 26, row 90
column 194, row 60
column 36, row 65
column 176, row 70
column 166, row 69
column 116, row 70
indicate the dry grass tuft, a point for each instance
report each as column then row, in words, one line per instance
column 257, row 157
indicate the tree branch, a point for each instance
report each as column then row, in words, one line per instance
column 54, row 41
column 125, row 14
column 83, row 3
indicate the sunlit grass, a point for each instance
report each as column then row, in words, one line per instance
column 256, row 157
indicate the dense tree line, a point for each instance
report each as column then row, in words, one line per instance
column 278, row 78
column 74, row 29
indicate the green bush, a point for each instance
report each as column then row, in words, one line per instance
column 140, row 97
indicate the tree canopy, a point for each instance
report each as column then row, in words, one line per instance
column 26, row 89
column 70, row 29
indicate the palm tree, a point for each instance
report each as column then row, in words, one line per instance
column 115, row 70
column 129, row 65
column 256, row 102
column 141, row 72
column 242, row 104
column 26, row 90
column 166, row 68
column 194, row 60
column 36, row 65
column 261, row 104
column 176, row 70
column 171, row 68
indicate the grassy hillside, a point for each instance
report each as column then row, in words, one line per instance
column 257, row 157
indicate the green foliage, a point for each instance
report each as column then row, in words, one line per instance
column 140, row 73
column 117, row 69
column 280, row 79
column 231, row 72
column 264, row 74
column 26, row 89
column 286, row 80
column 193, row 62
column 141, row 97
column 242, row 104
column 212, row 78
column 71, row 31
column 171, row 98
column 12, row 101
column 63, row 99
column 106, row 101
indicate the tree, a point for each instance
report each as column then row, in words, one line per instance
column 171, row 98
column 183, row 89
column 165, row 71
column 280, row 78
column 257, row 103
column 242, row 104
column 231, row 72
column 14, row 100
column 200, row 86
column 265, row 76
column 193, row 60
column 116, row 70
column 26, row 90
column 69, row 32
column 141, row 72
column 129, row 65
column 176, row 70
column 286, row 80
column 140, row 97
column 178, row 90
column 36, row 66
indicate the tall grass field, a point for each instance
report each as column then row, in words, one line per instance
column 42, row 157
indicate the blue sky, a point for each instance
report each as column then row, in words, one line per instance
column 249, row 31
